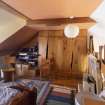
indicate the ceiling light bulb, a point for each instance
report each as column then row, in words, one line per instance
column 71, row 17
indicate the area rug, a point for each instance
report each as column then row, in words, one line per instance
column 61, row 96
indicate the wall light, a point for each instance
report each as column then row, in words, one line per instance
column 71, row 31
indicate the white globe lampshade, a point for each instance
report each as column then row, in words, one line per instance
column 71, row 31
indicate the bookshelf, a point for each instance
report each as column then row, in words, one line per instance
column 28, row 56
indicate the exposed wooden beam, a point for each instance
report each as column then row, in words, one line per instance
column 59, row 21
column 100, row 52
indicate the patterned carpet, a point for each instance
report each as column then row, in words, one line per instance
column 61, row 96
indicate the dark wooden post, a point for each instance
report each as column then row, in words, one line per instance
column 104, row 52
column 100, row 52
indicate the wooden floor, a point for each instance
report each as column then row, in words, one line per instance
column 69, row 83
column 64, row 82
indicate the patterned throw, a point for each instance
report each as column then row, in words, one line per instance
column 61, row 96
column 43, row 88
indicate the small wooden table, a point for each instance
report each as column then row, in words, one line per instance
column 9, row 74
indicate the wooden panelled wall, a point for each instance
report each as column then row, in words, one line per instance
column 69, row 55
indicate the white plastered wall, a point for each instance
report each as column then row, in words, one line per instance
column 9, row 24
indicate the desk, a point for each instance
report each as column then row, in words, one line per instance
column 9, row 75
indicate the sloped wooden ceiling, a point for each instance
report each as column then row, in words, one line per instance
column 16, row 41
column 43, row 9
